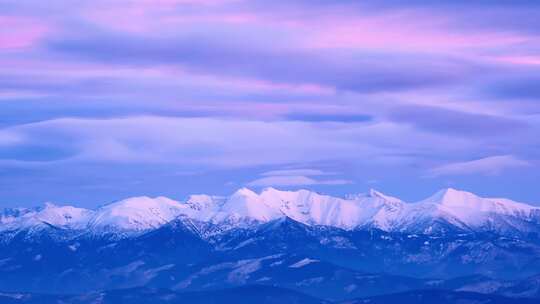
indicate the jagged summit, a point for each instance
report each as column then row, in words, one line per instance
column 244, row 192
column 245, row 203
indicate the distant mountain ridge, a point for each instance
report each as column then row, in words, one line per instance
column 332, row 248
column 448, row 210
column 254, row 294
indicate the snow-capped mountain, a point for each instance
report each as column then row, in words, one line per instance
column 136, row 214
column 68, row 217
column 9, row 215
column 447, row 210
column 326, row 246
column 450, row 209
column 303, row 206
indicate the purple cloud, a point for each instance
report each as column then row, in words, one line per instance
column 454, row 122
column 374, row 90
column 229, row 55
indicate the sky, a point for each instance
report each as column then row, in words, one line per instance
column 102, row 100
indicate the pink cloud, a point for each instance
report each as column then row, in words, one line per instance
column 398, row 31
column 525, row 60
column 148, row 16
column 19, row 32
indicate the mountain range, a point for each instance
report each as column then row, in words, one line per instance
column 318, row 248
column 446, row 210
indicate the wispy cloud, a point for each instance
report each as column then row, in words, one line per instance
column 295, row 180
column 217, row 143
column 297, row 177
column 492, row 165
column 285, row 172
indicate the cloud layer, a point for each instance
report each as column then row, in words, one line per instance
column 254, row 92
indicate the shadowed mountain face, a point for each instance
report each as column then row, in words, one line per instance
column 440, row 297
column 324, row 262
column 241, row 295
column 253, row 294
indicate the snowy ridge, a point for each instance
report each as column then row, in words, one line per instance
column 68, row 217
column 445, row 211
column 467, row 211
column 136, row 214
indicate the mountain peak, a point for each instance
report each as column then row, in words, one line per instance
column 60, row 216
column 450, row 190
column 245, row 203
column 137, row 213
column 270, row 189
column 451, row 196
column 245, row 192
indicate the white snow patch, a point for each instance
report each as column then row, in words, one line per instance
column 311, row 281
column 303, row 263
column 244, row 269
column 74, row 247
column 264, row 279
column 276, row 263
column 153, row 272
column 13, row 295
column 350, row 288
